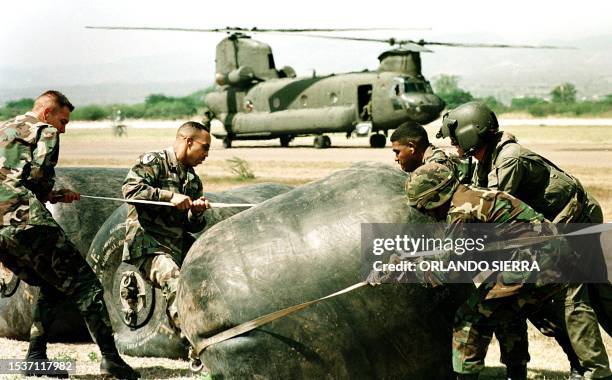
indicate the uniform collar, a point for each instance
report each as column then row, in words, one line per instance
column 32, row 114
column 428, row 152
column 174, row 162
column 37, row 122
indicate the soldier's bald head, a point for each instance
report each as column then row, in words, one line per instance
column 53, row 107
column 191, row 129
column 52, row 99
column 192, row 143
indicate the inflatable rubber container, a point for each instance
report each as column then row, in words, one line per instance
column 300, row 246
column 146, row 331
column 81, row 221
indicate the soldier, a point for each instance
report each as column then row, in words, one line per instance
column 33, row 245
column 434, row 189
column 157, row 237
column 412, row 150
column 505, row 165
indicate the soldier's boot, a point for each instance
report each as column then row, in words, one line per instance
column 516, row 372
column 37, row 348
column 38, row 351
column 112, row 364
column 576, row 374
column 466, row 376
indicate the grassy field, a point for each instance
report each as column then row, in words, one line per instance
column 585, row 152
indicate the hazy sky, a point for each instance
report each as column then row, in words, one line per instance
column 37, row 34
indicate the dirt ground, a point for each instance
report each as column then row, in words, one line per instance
column 585, row 151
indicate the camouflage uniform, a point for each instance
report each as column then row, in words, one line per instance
column 560, row 198
column 157, row 237
column 32, row 244
column 503, row 295
column 512, row 336
column 460, row 166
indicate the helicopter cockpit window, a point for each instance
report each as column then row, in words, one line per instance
column 410, row 86
column 397, row 88
column 271, row 61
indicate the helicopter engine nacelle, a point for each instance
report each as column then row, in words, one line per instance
column 287, row 72
column 241, row 76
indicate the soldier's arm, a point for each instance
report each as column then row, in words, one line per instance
column 196, row 221
column 41, row 178
column 142, row 180
column 510, row 174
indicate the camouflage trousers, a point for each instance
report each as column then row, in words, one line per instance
column 43, row 256
column 478, row 318
column 570, row 319
column 163, row 272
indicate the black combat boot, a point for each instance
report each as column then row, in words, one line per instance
column 38, row 351
column 576, row 374
column 518, row 372
column 112, row 364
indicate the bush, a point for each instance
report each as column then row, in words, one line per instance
column 16, row 107
column 525, row 102
column 240, row 168
column 494, row 104
column 92, row 112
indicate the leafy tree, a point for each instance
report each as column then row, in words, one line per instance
column 564, row 93
column 446, row 83
column 494, row 104
column 447, row 87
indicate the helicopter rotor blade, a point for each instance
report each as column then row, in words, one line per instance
column 406, row 44
column 247, row 30
column 420, row 44
column 487, row 45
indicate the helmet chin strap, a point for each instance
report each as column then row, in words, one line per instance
column 468, row 177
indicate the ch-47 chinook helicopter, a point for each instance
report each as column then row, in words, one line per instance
column 254, row 100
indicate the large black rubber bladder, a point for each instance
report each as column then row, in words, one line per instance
column 81, row 221
column 149, row 333
column 300, row 246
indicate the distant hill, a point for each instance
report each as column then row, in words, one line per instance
column 504, row 73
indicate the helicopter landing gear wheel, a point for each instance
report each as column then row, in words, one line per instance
column 285, row 140
column 326, row 141
column 321, row 142
column 378, row 141
column 227, row 142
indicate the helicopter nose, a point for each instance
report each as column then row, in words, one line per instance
column 424, row 108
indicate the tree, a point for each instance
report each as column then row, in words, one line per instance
column 564, row 93
column 447, row 87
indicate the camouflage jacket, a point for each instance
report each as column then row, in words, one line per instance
column 510, row 219
column 458, row 165
column 151, row 229
column 535, row 180
column 29, row 150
